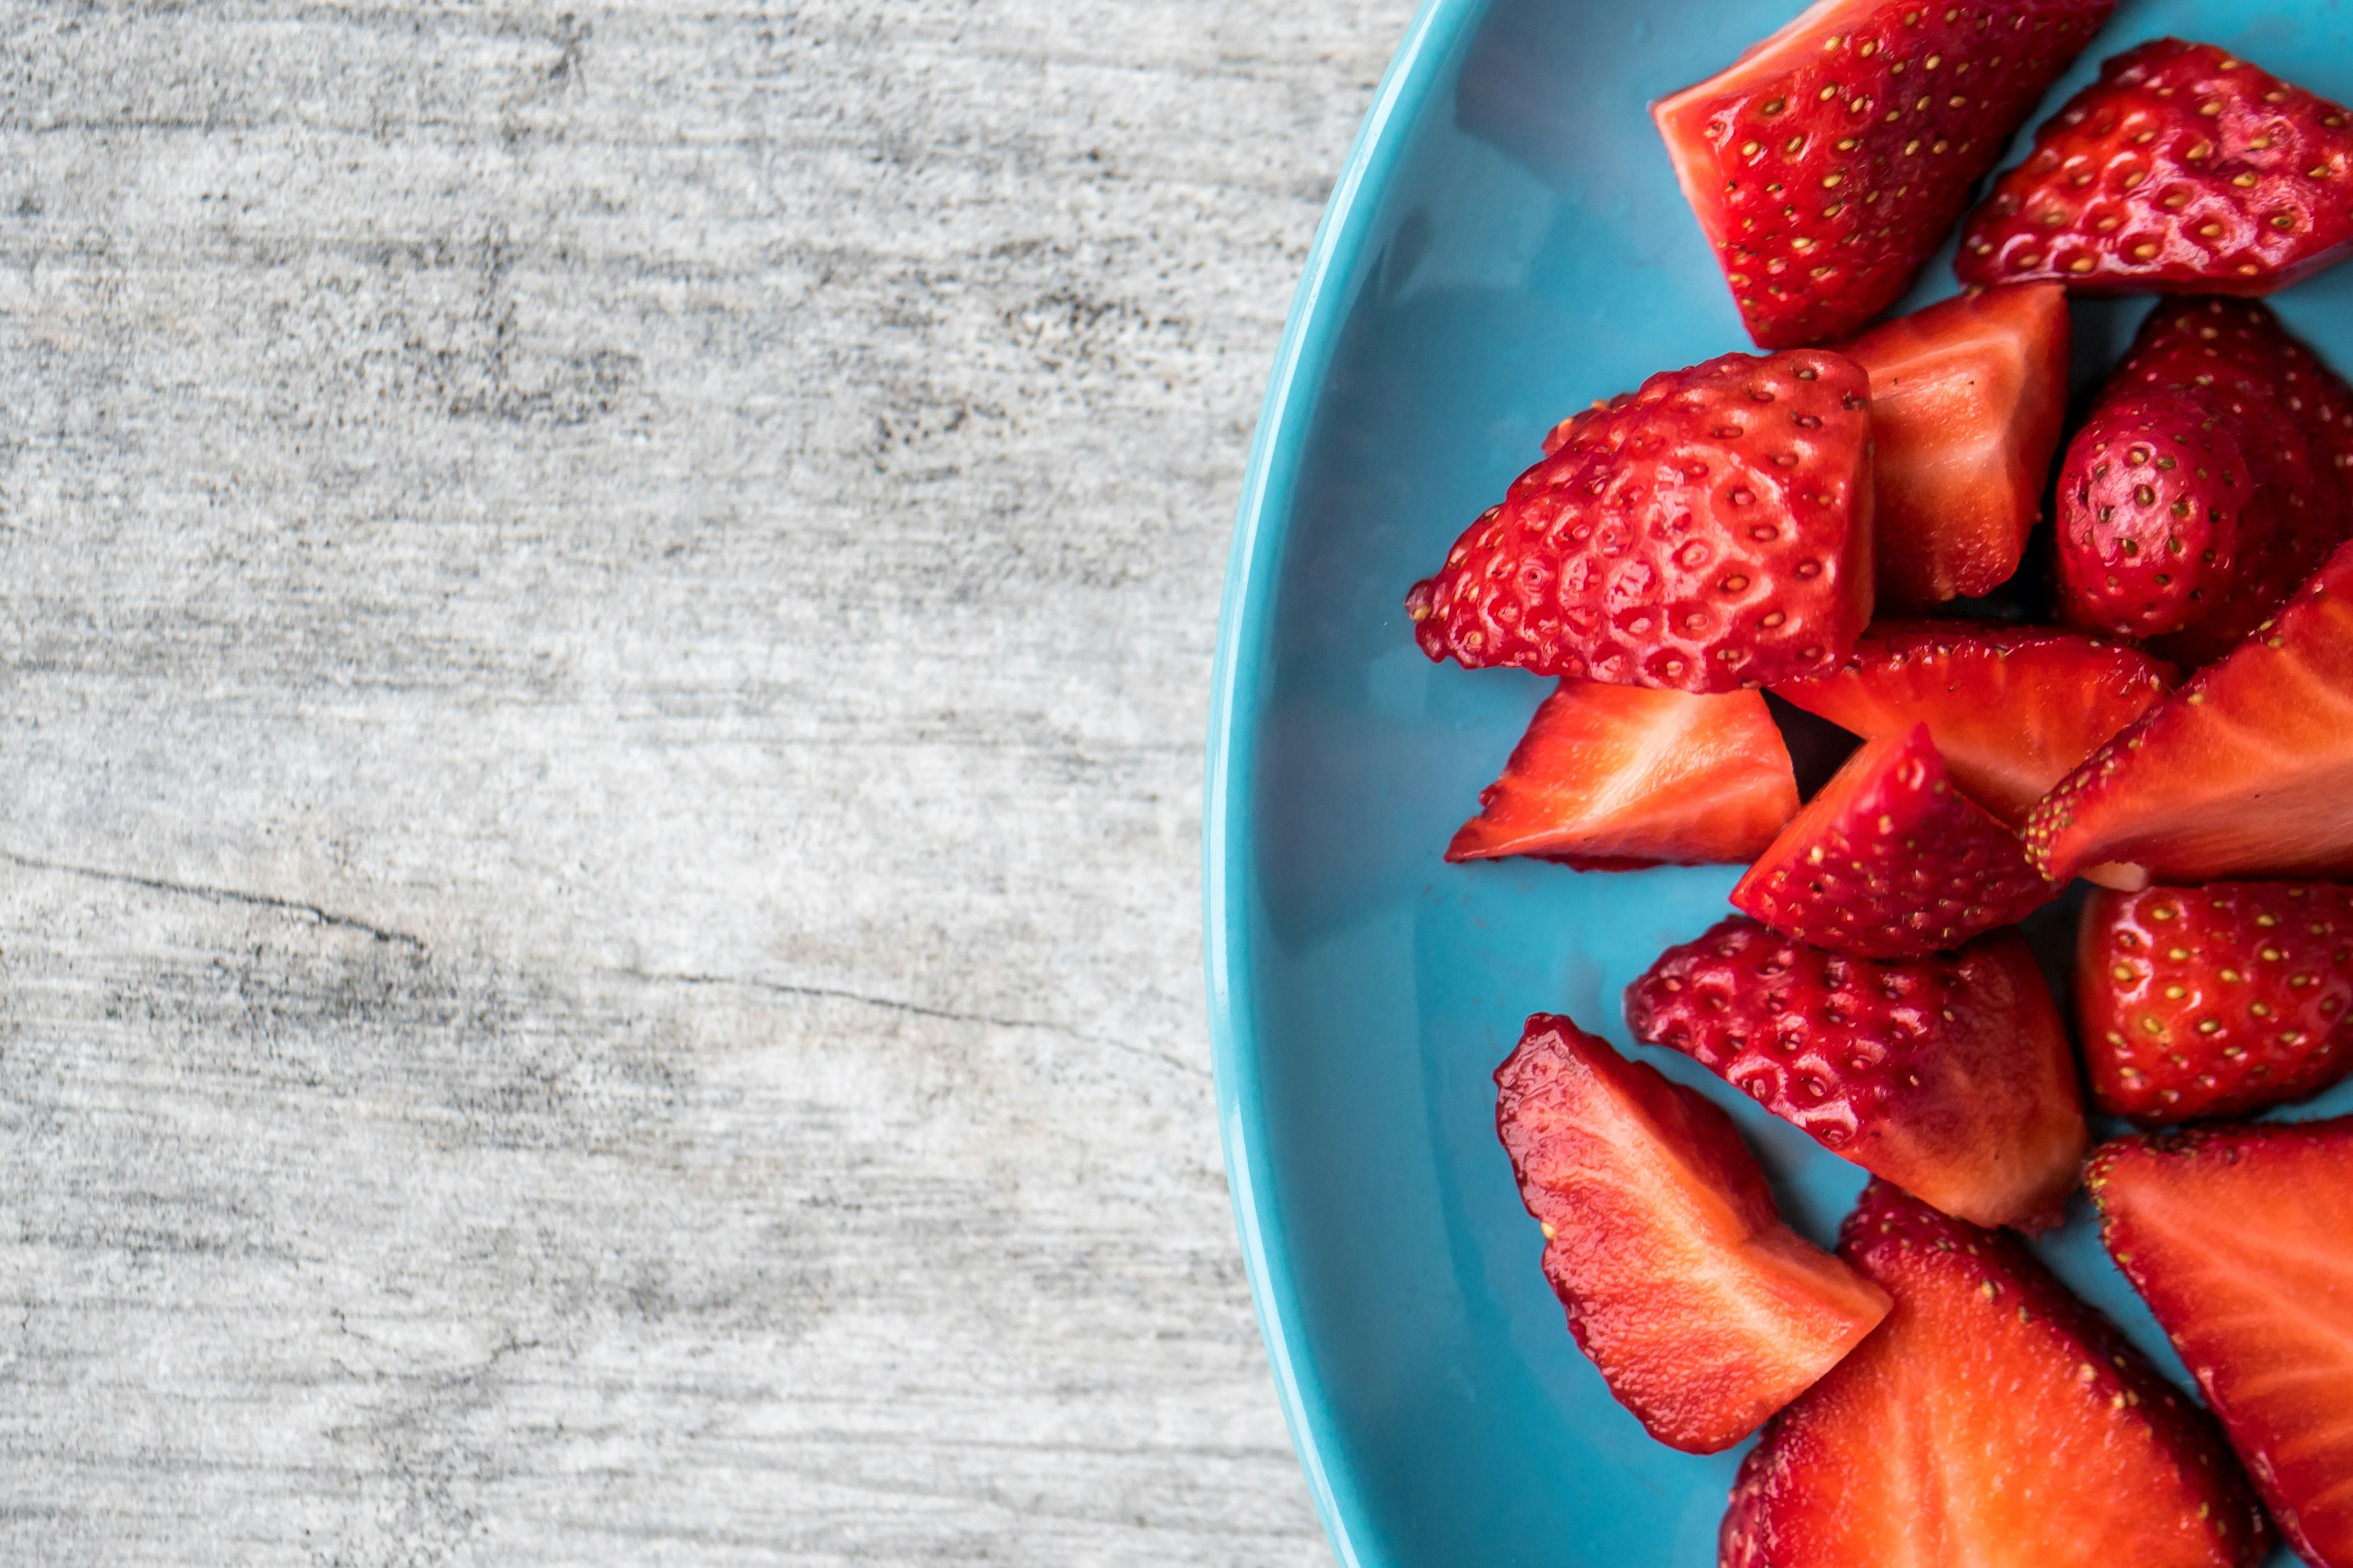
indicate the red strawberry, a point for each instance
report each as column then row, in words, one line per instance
column 1625, row 775
column 1947, row 1075
column 1994, row 1421
column 2240, row 1240
column 1828, row 163
column 2182, row 170
column 2243, row 771
column 1889, row 860
column 1965, row 401
column 1709, row 531
column 2010, row 708
column 1702, row 1309
column 2149, row 514
column 2215, row 1001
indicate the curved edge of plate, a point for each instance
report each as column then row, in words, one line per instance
column 1335, row 262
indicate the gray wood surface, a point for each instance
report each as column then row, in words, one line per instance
column 607, row 620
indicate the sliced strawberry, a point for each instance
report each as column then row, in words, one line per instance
column 2149, row 514
column 1702, row 1309
column 2243, row 771
column 2011, row 708
column 2240, row 1240
column 1891, row 861
column 1631, row 776
column 1709, row 531
column 1994, row 1421
column 1948, row 1075
column 2215, row 1001
column 2182, row 170
column 1966, row 402
column 1827, row 163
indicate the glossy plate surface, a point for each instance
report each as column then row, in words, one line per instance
column 1506, row 244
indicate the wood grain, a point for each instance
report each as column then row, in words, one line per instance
column 607, row 625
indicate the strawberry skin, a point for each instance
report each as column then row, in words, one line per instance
column 1890, row 859
column 2182, row 170
column 2012, row 709
column 1966, row 402
column 1703, row 1311
column 1626, row 777
column 1948, row 1075
column 2243, row 771
column 1994, row 1421
column 2149, row 514
column 2214, row 1001
column 2241, row 1241
column 1709, row 531
column 1827, row 163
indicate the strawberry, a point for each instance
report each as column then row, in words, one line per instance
column 2241, row 772
column 1625, row 776
column 2010, row 708
column 1703, row 1311
column 1827, row 163
column 1889, row 860
column 2214, row 1001
column 2149, row 514
column 1994, row 1421
column 1709, row 531
column 1965, row 401
column 2182, row 170
column 1948, row 1075
column 2241, row 1241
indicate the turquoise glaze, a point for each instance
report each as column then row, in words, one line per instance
column 1506, row 244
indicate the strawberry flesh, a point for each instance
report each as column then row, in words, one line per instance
column 1891, row 861
column 1994, row 1421
column 1948, row 1075
column 1628, row 776
column 1966, row 402
column 1709, row 531
column 2011, row 709
column 2240, row 1240
column 2214, row 1001
column 2149, row 514
column 1703, row 1311
column 1828, row 163
column 2182, row 170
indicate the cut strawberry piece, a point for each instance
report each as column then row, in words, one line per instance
column 2240, row 1240
column 2012, row 709
column 1827, row 163
column 2215, row 1001
column 2182, row 170
column 1702, row 1309
column 2149, row 514
column 1949, row 1076
column 1709, row 531
column 1994, row 1421
column 1629, row 776
column 2241, row 773
column 1965, row 401
column 1891, row 861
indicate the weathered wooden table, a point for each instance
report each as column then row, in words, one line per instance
column 607, row 623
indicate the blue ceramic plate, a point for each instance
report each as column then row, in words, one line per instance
column 1507, row 243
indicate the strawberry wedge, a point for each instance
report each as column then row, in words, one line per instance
column 1622, row 776
column 1704, row 1313
column 2240, row 1240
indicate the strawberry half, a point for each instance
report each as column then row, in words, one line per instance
column 1624, row 776
column 1709, row 531
column 1949, row 1076
column 1966, row 402
column 2011, row 709
column 1994, row 1421
column 1891, row 861
column 2149, row 514
column 2182, row 170
column 2243, row 771
column 1827, row 163
column 2214, row 1001
column 2240, row 1240
column 1702, row 1309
